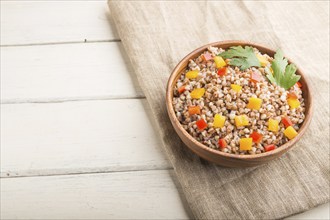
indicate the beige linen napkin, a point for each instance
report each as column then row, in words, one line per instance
column 158, row 34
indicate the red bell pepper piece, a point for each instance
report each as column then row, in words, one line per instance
column 222, row 143
column 292, row 95
column 201, row 124
column 255, row 77
column 298, row 84
column 286, row 121
column 256, row 137
column 222, row 71
column 182, row 89
column 269, row 147
column 194, row 110
column 207, row 56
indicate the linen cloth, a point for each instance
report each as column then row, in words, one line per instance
column 158, row 34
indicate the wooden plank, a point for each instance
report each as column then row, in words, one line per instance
column 123, row 195
column 66, row 72
column 78, row 137
column 35, row 22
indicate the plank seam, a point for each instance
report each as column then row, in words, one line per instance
column 62, row 100
column 61, row 43
column 3, row 176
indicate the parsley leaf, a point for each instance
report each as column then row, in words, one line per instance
column 270, row 75
column 241, row 57
column 284, row 74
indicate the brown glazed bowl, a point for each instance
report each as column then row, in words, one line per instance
column 218, row 157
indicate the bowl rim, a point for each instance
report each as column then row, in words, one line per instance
column 169, row 102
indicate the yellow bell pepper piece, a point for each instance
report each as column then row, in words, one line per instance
column 197, row 93
column 273, row 125
column 245, row 144
column 219, row 121
column 245, row 120
column 192, row 74
column 241, row 120
column 293, row 103
column 290, row 132
column 219, row 62
column 235, row 87
column 263, row 60
column 254, row 103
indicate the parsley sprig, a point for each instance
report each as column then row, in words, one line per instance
column 241, row 57
column 284, row 74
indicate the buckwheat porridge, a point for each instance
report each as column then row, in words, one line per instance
column 239, row 100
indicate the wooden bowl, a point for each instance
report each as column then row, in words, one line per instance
column 227, row 159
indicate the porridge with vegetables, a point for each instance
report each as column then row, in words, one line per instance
column 239, row 100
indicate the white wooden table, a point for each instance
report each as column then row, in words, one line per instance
column 76, row 134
